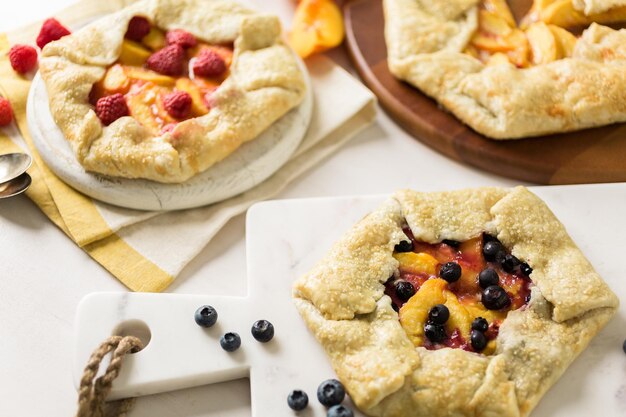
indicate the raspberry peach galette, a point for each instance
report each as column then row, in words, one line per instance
column 164, row 89
column 508, row 80
column 463, row 303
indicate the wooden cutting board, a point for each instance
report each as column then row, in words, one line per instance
column 588, row 156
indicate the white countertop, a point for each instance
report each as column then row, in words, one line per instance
column 45, row 275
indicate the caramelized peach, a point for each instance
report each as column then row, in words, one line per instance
column 317, row 26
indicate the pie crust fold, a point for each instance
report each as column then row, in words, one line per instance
column 265, row 82
column 342, row 301
column 426, row 40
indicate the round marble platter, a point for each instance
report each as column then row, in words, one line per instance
column 248, row 166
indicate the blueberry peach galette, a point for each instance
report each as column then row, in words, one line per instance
column 164, row 89
column 508, row 80
column 468, row 303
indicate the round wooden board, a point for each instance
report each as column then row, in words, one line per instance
column 588, row 156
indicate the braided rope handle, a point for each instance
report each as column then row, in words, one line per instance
column 92, row 395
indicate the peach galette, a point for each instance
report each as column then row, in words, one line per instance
column 164, row 89
column 508, row 80
column 483, row 285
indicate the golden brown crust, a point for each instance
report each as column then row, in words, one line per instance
column 502, row 101
column 265, row 82
column 343, row 303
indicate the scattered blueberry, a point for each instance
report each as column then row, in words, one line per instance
column 450, row 271
column 452, row 243
column 526, row 269
column 495, row 298
column 488, row 277
column 480, row 324
column 624, row 346
column 404, row 290
column 339, row 411
column 492, row 250
column 404, row 246
column 297, row 400
column 439, row 314
column 205, row 316
column 263, row 331
column 330, row 392
column 436, row 333
column 230, row 342
column 510, row 262
column 478, row 340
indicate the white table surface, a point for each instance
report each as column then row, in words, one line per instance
column 44, row 274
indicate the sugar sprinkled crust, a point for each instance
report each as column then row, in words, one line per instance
column 265, row 82
column 426, row 39
column 342, row 301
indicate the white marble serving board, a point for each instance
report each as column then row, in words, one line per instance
column 284, row 240
column 245, row 168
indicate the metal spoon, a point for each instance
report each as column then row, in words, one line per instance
column 12, row 165
column 15, row 186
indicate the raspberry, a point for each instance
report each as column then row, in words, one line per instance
column 178, row 104
column 51, row 30
column 111, row 108
column 23, row 58
column 209, row 64
column 138, row 27
column 6, row 112
column 168, row 61
column 180, row 37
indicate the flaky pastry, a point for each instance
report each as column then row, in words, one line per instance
column 343, row 302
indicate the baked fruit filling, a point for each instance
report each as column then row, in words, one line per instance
column 161, row 77
column 542, row 36
column 457, row 294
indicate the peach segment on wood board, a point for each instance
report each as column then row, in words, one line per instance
column 317, row 26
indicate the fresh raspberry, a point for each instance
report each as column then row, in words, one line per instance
column 178, row 104
column 51, row 30
column 209, row 64
column 168, row 61
column 23, row 58
column 6, row 112
column 181, row 37
column 111, row 108
column 138, row 27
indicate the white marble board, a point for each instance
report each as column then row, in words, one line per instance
column 245, row 168
column 284, row 240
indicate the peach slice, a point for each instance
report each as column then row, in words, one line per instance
column 155, row 39
column 501, row 9
column 534, row 13
column 138, row 73
column 414, row 312
column 140, row 102
column 317, row 26
column 520, row 53
column 417, row 262
column 115, row 80
column 494, row 23
column 542, row 43
column 565, row 41
column 133, row 53
column 198, row 108
column 562, row 13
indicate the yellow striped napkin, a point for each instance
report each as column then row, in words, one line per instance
column 147, row 250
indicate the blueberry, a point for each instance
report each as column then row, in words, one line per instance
column 480, row 324
column 404, row 290
column 263, row 331
column 339, row 411
column 624, row 346
column 404, row 246
column 478, row 340
column 450, row 271
column 488, row 277
column 297, row 400
column 510, row 262
column 230, row 342
column 452, row 243
column 526, row 269
column 439, row 314
column 492, row 250
column 205, row 316
column 330, row 392
column 495, row 298
column 436, row 333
